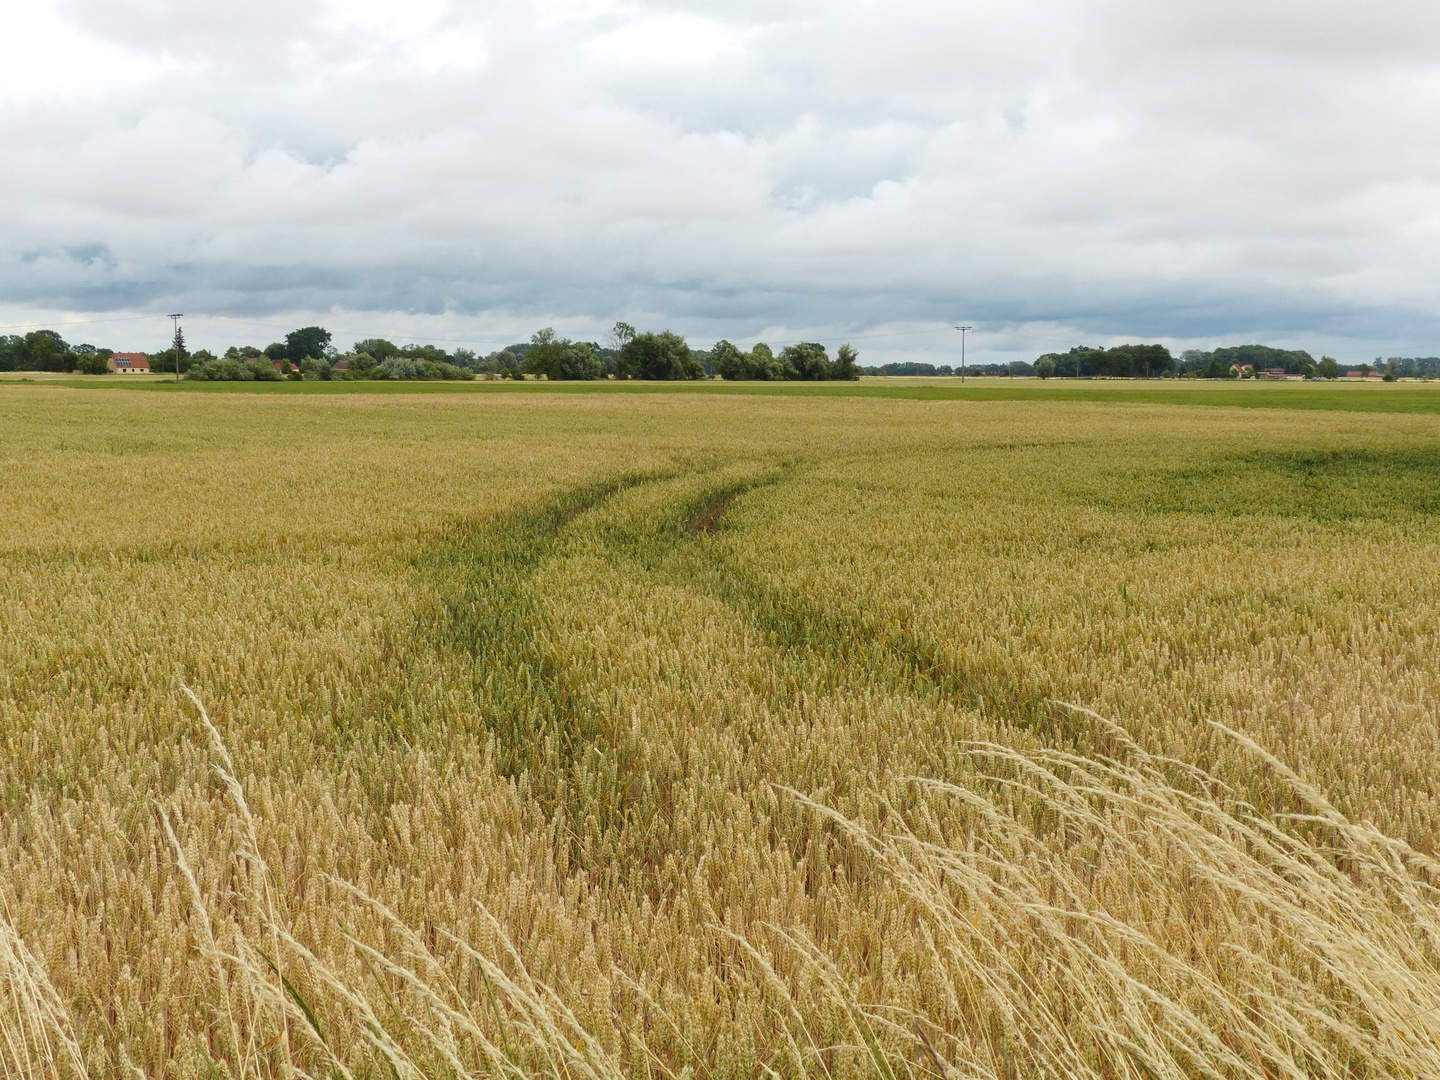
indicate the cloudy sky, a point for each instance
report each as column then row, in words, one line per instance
column 1054, row 171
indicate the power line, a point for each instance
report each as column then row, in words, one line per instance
column 229, row 319
column 448, row 341
column 360, row 333
column 864, row 337
column 77, row 322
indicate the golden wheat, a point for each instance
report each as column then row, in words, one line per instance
column 610, row 736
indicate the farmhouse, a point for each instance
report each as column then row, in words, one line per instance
column 130, row 363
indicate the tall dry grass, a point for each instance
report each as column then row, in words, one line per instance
column 37, row 1033
column 607, row 765
column 1081, row 916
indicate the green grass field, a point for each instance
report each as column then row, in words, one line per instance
column 894, row 729
column 1421, row 397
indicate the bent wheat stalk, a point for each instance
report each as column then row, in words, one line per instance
column 1307, row 947
column 37, row 1033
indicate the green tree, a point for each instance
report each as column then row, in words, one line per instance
column 846, row 367
column 427, row 353
column 657, row 356
column 543, row 354
column 165, row 361
column 729, row 361
column 1328, row 367
column 620, row 335
column 438, row 369
column 316, row 367
column 398, row 367
column 1130, row 361
column 176, row 355
column 44, row 351
column 1264, row 358
column 616, row 362
column 308, row 341
column 377, row 347
column 1078, row 362
column 581, row 360
column 1148, row 361
column 1045, row 367
column 560, row 358
column 807, row 360
column 764, row 364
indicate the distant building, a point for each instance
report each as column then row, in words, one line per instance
column 1363, row 375
column 129, row 363
column 342, row 365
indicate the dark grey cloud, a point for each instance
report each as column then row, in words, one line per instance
column 1050, row 169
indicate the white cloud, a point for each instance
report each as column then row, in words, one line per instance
column 45, row 59
column 1041, row 167
column 673, row 39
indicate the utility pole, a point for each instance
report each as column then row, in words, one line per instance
column 175, row 342
column 962, row 330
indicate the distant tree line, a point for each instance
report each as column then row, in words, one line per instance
column 1119, row 361
column 1234, row 361
column 909, row 367
column 45, row 350
column 1228, row 363
column 807, row 360
column 307, row 353
column 630, row 354
column 1409, row 367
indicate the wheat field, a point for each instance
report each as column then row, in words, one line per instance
column 600, row 736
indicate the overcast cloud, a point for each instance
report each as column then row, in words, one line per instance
column 1056, row 171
